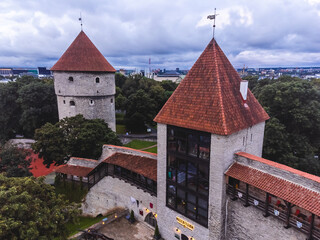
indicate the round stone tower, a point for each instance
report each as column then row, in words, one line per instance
column 84, row 82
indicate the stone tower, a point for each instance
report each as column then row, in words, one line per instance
column 202, row 125
column 85, row 82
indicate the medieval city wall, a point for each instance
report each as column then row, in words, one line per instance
column 290, row 176
column 112, row 192
column 108, row 150
column 248, row 223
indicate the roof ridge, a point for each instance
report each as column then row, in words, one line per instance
column 224, row 123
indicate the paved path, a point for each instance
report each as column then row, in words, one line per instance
column 142, row 149
column 121, row 229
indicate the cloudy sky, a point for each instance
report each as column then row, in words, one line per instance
column 256, row 33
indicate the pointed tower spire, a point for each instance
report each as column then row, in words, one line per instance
column 208, row 99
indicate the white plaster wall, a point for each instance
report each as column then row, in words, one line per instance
column 221, row 157
column 83, row 162
column 248, row 223
column 112, row 192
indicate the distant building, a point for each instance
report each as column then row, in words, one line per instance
column 43, row 72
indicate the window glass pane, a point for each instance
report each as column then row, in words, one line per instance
column 172, row 161
column 171, row 200
column 172, row 145
column 203, row 186
column 191, row 197
column 172, row 174
column 204, row 147
column 202, row 203
column 181, row 174
column 191, row 210
column 203, row 171
column 170, row 133
column 181, row 145
column 181, row 200
column 192, row 145
column 172, row 190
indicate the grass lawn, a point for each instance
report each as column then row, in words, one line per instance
column 139, row 144
column 120, row 129
column 84, row 222
column 152, row 150
column 71, row 193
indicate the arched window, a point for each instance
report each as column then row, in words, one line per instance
column 97, row 80
column 91, row 102
column 71, row 79
column 72, row 103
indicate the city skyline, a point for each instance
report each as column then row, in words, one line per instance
column 172, row 34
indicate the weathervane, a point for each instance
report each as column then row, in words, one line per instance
column 80, row 19
column 213, row 17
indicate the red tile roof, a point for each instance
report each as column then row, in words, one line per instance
column 145, row 166
column 37, row 167
column 208, row 98
column 288, row 191
column 74, row 170
column 83, row 56
column 279, row 165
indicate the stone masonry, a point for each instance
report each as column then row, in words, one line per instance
column 86, row 95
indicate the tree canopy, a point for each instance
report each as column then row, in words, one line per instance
column 30, row 209
column 27, row 104
column 74, row 136
column 14, row 162
column 141, row 98
column 292, row 135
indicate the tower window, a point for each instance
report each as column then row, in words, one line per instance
column 71, row 79
column 72, row 103
column 97, row 80
column 91, row 102
column 111, row 100
column 64, row 101
column 188, row 173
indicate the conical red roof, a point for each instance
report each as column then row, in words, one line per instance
column 208, row 99
column 83, row 56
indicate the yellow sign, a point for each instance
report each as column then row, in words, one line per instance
column 185, row 223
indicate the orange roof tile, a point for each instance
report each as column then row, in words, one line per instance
column 145, row 166
column 279, row 165
column 74, row 170
column 208, row 98
column 82, row 56
column 288, row 191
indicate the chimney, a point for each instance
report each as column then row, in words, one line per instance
column 244, row 91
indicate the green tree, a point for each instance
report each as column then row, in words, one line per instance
column 252, row 81
column 14, row 162
column 140, row 111
column 10, row 111
column 74, row 136
column 30, row 209
column 292, row 134
column 39, row 106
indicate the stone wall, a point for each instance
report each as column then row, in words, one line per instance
column 112, row 192
column 290, row 176
column 93, row 107
column 84, row 84
column 108, row 150
column 83, row 162
column 248, row 223
column 91, row 99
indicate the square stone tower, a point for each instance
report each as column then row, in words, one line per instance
column 85, row 82
column 202, row 125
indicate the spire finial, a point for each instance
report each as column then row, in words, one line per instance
column 80, row 19
column 213, row 17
